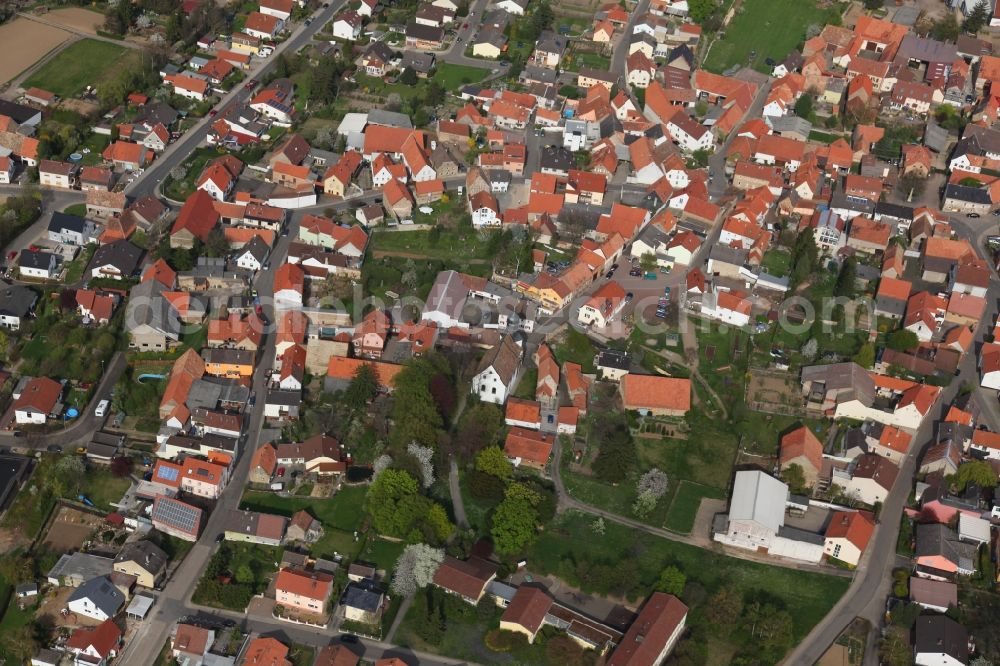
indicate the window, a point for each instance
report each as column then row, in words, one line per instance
column 836, row 550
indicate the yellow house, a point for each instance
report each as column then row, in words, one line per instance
column 486, row 50
column 243, row 43
column 231, row 363
column 603, row 32
column 144, row 560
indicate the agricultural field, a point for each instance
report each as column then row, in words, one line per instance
column 80, row 64
column 25, row 43
column 783, row 22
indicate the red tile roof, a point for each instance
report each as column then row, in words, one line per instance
column 648, row 634
column 855, row 526
column 312, row 584
column 467, row 578
column 654, row 392
column 530, row 445
column 528, row 608
column 801, row 442
column 198, row 216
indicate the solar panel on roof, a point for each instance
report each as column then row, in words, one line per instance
column 167, row 473
column 177, row 514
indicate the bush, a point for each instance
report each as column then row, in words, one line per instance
column 499, row 640
column 485, row 487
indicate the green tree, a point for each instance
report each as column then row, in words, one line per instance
column 846, row 277
column 725, row 608
column 805, row 257
column 794, row 476
column 244, row 575
column 865, row 356
column 513, row 525
column 805, row 107
column 975, row 472
column 492, row 460
column 902, row 340
column 946, row 28
column 977, row 18
column 701, row 10
column 436, row 521
column 408, row 77
column 911, row 185
column 672, row 581
column 415, row 414
column 362, row 389
column 616, row 457
column 648, row 262
column 699, row 158
column 385, row 499
column 894, row 650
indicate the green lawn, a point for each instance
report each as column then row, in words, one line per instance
column 592, row 60
column 102, row 487
column 78, row 209
column 75, row 67
column 576, row 348
column 684, row 508
column 452, row 77
column 341, row 512
column 248, row 566
column 464, row 243
column 777, row 262
column 570, row 550
column 383, row 554
column 772, row 27
column 336, row 542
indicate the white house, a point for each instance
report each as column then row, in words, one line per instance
column 870, row 480
column 940, row 641
column 485, row 210
column 847, row 535
column 348, row 26
column 38, row 264
column 252, row 256
column 6, row 170
column 728, row 307
column 689, row 134
column 603, row 305
column 989, row 366
column 281, row 9
column 514, row 7
column 757, row 515
column 98, row 599
column 497, row 371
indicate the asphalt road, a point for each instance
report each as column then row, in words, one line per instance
column 873, row 577
column 178, row 151
column 77, row 433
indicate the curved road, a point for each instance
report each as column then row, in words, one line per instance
column 566, row 501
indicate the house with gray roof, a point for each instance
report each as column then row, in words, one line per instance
column 151, row 321
column 98, row 599
column 144, row 560
column 73, row 570
column 16, row 302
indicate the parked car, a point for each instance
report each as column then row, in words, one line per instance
column 635, row 272
column 973, row 215
column 281, row 471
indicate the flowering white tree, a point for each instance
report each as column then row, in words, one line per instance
column 415, row 568
column 380, row 465
column 650, row 488
column 425, row 456
column 654, row 482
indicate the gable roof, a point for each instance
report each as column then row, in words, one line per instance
column 655, row 392
column 648, row 634
column 504, row 358
column 802, row 442
column 855, row 526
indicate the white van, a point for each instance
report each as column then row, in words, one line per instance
column 101, row 409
